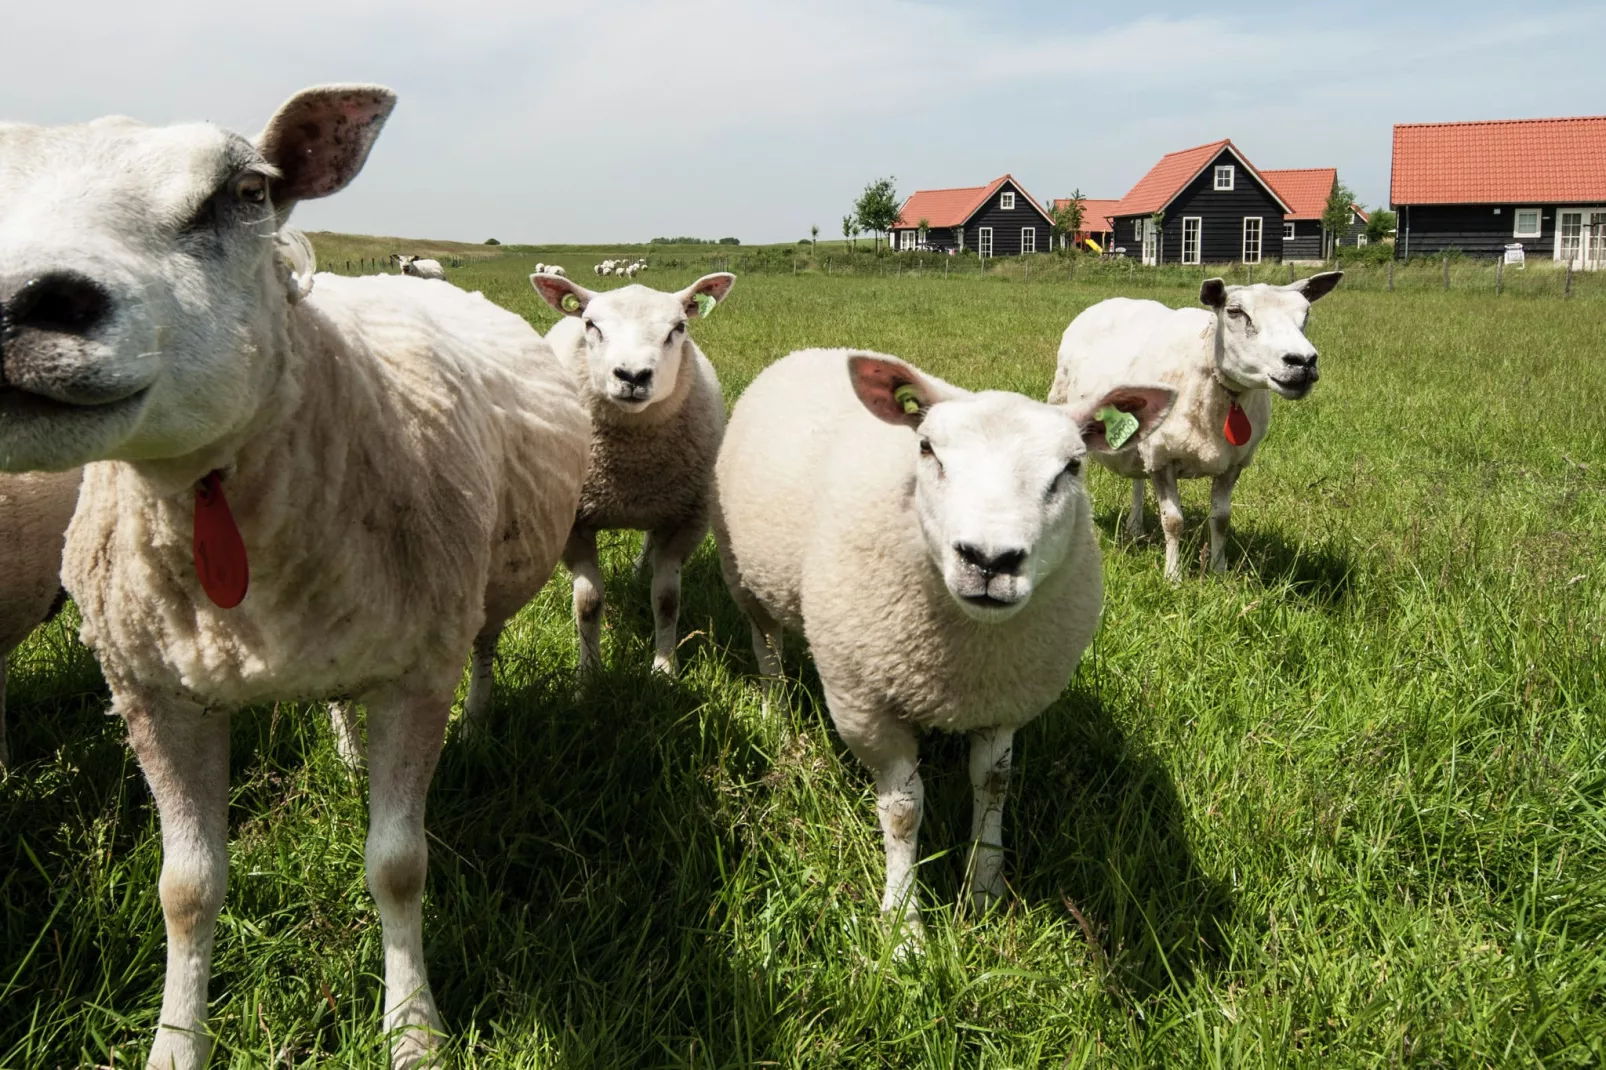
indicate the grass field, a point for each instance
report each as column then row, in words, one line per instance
column 1344, row 806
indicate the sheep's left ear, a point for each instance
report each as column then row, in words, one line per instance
column 1213, row 293
column 894, row 391
column 567, row 297
column 1317, row 285
column 1146, row 404
column 700, row 297
column 320, row 139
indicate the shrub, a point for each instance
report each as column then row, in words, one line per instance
column 492, row 241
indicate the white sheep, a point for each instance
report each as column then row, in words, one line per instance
column 557, row 269
column 632, row 269
column 936, row 548
column 1224, row 361
column 657, row 418
column 34, row 511
column 421, row 268
column 393, row 467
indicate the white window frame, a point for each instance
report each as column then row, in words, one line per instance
column 1149, row 241
column 1517, row 230
column 1360, row 241
column 1351, row 219
column 1260, row 237
column 1028, row 236
column 959, row 238
column 1195, row 255
column 1288, row 231
column 1006, row 201
column 908, row 242
column 1224, row 171
column 984, row 241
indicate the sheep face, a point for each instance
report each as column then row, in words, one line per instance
column 141, row 290
column 1260, row 333
column 998, row 488
column 635, row 336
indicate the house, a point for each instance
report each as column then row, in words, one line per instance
column 1206, row 204
column 1355, row 234
column 998, row 219
column 1481, row 187
column 1307, row 191
column 1097, row 230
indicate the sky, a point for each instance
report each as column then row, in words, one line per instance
column 621, row 120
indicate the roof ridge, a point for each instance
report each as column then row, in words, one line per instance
column 1289, row 170
column 1505, row 122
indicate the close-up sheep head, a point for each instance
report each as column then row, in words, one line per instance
column 142, row 286
column 1260, row 333
column 998, row 484
column 635, row 335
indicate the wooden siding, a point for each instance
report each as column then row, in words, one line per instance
column 1474, row 229
column 940, row 239
column 1221, row 214
column 1307, row 241
column 1007, row 225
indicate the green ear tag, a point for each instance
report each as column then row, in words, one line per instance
column 570, row 303
column 905, row 396
column 705, row 305
column 1118, row 425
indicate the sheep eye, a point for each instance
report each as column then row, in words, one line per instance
column 676, row 329
column 1073, row 468
column 1240, row 313
column 592, row 328
column 925, row 448
column 252, row 189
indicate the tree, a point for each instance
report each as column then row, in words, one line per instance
column 814, row 238
column 1067, row 216
column 1335, row 216
column 877, row 208
column 921, row 227
column 1380, row 225
column 850, row 230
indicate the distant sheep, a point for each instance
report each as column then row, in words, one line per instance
column 34, row 511
column 393, row 468
column 936, row 548
column 657, row 417
column 1224, row 363
column 421, row 268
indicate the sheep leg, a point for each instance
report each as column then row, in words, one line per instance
column 580, row 555
column 1134, row 519
column 348, row 733
column 404, row 743
column 889, row 750
column 1221, row 516
column 990, row 756
column 1165, row 489
column 644, row 558
column 669, row 552
column 480, row 681
column 183, row 750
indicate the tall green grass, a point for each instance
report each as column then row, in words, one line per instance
column 1343, row 806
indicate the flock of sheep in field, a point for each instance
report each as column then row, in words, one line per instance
column 261, row 485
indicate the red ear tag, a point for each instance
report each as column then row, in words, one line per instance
column 220, row 562
column 1238, row 429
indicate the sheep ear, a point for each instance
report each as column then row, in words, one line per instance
column 320, row 139
column 1213, row 292
column 1147, row 404
column 892, row 390
column 701, row 296
column 1317, row 286
column 563, row 295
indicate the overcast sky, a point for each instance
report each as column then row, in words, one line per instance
column 620, row 120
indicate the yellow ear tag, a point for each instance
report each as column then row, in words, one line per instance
column 1118, row 425
column 905, row 396
column 570, row 303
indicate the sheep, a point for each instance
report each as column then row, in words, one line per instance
column 557, row 269
column 936, row 548
column 421, row 268
column 1224, row 361
column 632, row 269
column 657, row 418
column 392, row 465
column 34, row 511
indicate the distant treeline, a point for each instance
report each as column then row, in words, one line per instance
column 695, row 241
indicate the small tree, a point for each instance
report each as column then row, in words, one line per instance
column 921, row 227
column 1158, row 219
column 1380, row 225
column 1067, row 216
column 877, row 207
column 850, row 231
column 1335, row 216
column 814, row 238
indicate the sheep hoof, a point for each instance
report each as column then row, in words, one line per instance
column 414, row 1049
column 179, row 1049
column 666, row 665
column 910, row 934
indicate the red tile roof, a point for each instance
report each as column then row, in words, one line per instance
column 1306, row 189
column 1504, row 161
column 1175, row 170
column 1095, row 213
column 952, row 207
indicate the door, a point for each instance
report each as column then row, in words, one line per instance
column 1251, row 239
column 984, row 241
column 1028, row 240
column 1595, row 240
column 1150, row 245
column 1192, row 229
column 1569, row 236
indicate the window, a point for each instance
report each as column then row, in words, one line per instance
column 1352, row 219
column 1192, row 226
column 1288, row 232
column 1028, row 239
column 984, row 241
column 1252, row 239
column 1137, row 230
column 1007, row 202
column 1360, row 241
column 1224, row 174
column 908, row 239
column 1527, row 223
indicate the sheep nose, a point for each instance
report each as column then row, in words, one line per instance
column 1006, row 562
column 63, row 303
column 1300, row 361
column 630, row 378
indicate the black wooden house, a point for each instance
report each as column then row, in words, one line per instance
column 1202, row 205
column 998, row 219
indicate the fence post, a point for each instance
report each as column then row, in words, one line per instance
column 828, row 265
column 1290, row 273
column 1568, row 292
column 1251, row 270
column 1447, row 269
column 1499, row 274
column 1391, row 274
column 1028, row 271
